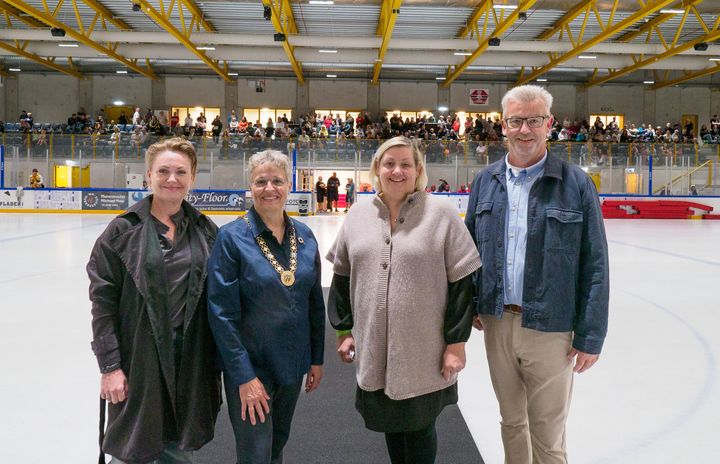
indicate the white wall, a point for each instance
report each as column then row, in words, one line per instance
column 672, row 102
column 618, row 99
column 194, row 91
column 279, row 93
column 49, row 97
column 133, row 90
column 53, row 97
column 408, row 96
column 460, row 97
column 338, row 94
column 564, row 102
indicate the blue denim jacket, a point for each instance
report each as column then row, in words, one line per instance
column 566, row 277
column 261, row 327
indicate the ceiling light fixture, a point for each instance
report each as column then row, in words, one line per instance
column 321, row 2
column 442, row 108
column 587, row 57
column 68, row 45
column 232, row 74
column 439, row 78
column 713, row 59
column 505, row 7
column 648, row 82
column 327, row 51
column 672, row 11
column 462, row 53
column 118, row 103
column 120, row 71
column 205, row 47
column 330, row 75
column 14, row 69
column 541, row 79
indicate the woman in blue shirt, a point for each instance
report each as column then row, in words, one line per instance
column 266, row 312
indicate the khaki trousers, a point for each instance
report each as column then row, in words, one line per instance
column 532, row 379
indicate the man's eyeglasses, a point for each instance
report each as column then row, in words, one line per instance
column 533, row 122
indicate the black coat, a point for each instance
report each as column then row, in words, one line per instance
column 131, row 328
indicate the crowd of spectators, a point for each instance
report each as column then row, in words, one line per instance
column 310, row 126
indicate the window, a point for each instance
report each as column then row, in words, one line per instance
column 607, row 118
column 337, row 114
column 194, row 113
column 263, row 114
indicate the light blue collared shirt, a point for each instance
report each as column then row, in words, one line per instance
column 519, row 183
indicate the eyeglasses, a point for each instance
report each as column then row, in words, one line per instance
column 533, row 122
column 262, row 183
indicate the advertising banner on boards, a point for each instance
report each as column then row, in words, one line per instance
column 217, row 200
column 10, row 199
column 58, row 199
column 105, row 200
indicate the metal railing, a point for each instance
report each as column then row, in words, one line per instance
column 633, row 168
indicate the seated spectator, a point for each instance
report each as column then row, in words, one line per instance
column 243, row 125
column 36, row 179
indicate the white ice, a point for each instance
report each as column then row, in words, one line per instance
column 654, row 396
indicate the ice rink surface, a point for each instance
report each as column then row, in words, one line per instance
column 654, row 396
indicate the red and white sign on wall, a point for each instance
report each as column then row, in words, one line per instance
column 479, row 96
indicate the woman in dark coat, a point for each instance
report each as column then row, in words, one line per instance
column 149, row 319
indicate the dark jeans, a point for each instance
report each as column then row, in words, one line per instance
column 418, row 447
column 263, row 443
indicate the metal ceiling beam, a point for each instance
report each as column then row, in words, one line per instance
column 162, row 18
column 688, row 77
column 499, row 30
column 471, row 23
column 82, row 38
column 566, row 19
column 17, row 14
column 198, row 13
column 711, row 37
column 50, row 63
column 284, row 23
column 386, row 24
column 608, row 31
column 108, row 15
column 656, row 21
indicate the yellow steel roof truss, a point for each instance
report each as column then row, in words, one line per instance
column 48, row 62
column 81, row 36
column 162, row 19
column 671, row 49
column 471, row 24
column 608, row 30
column 284, row 23
column 389, row 13
column 500, row 28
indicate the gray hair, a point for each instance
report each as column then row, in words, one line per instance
column 400, row 141
column 527, row 94
column 274, row 158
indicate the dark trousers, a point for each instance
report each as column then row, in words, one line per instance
column 263, row 443
column 417, row 447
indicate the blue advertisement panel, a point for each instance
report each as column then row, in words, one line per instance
column 105, row 200
column 217, row 200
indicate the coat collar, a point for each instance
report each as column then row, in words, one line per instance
column 553, row 168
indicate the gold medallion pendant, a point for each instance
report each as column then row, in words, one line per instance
column 287, row 278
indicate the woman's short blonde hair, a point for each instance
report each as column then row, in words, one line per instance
column 175, row 145
column 418, row 157
column 274, row 158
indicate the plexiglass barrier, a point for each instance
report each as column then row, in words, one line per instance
column 108, row 162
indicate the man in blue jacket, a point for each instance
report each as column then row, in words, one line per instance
column 542, row 293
